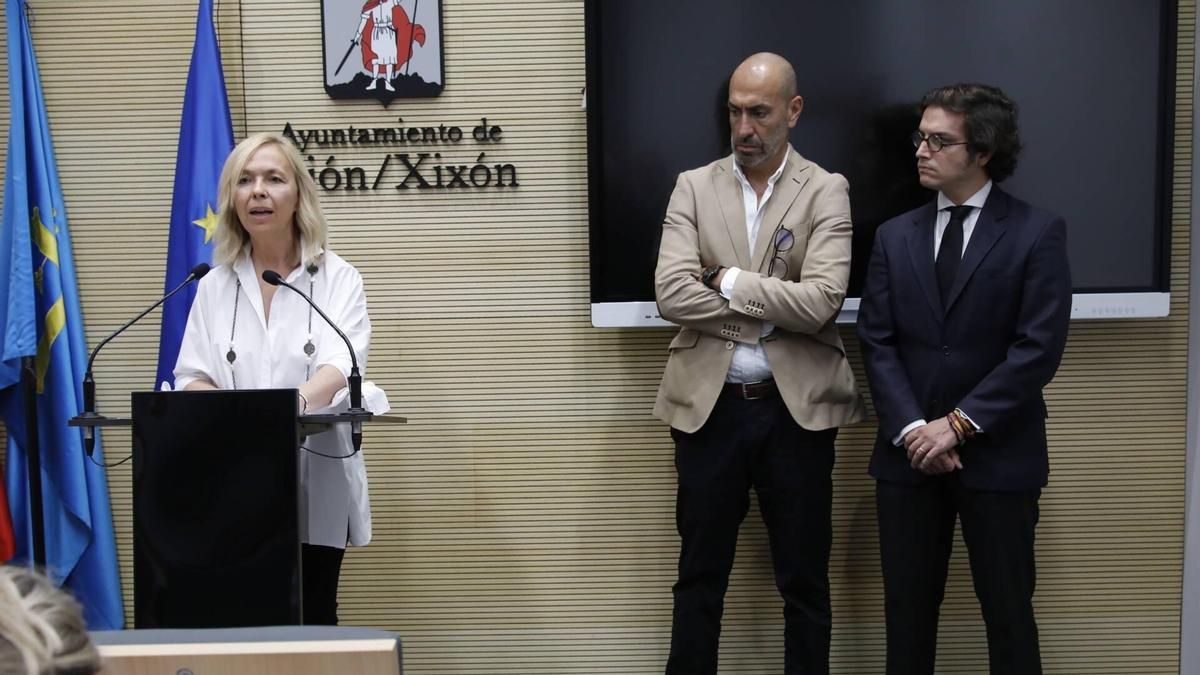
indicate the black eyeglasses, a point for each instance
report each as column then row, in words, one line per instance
column 782, row 243
column 935, row 141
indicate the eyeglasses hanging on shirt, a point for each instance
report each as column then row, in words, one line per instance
column 782, row 243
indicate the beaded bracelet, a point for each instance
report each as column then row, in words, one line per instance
column 964, row 426
column 955, row 426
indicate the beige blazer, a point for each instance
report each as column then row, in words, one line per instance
column 706, row 225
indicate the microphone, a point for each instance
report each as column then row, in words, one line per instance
column 355, row 380
column 89, row 383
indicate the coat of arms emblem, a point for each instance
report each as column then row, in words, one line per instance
column 382, row 49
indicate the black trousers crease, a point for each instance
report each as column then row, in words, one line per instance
column 753, row 444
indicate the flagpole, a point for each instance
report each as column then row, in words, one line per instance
column 33, row 462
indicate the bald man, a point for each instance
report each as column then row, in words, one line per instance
column 753, row 267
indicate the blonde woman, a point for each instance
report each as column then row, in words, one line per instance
column 242, row 333
column 42, row 631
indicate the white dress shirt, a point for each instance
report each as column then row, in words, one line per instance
column 976, row 200
column 750, row 361
column 336, row 508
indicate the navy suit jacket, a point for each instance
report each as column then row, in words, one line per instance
column 989, row 351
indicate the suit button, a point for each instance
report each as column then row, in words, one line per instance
column 729, row 345
column 946, row 350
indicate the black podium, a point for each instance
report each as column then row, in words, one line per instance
column 216, row 536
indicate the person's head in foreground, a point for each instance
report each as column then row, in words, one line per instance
column 42, row 631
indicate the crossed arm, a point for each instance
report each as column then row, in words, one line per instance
column 804, row 303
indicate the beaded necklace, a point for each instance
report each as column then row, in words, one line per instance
column 309, row 348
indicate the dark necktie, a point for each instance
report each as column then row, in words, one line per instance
column 951, row 250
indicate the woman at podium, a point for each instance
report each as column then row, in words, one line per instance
column 244, row 333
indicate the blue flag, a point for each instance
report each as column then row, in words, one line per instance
column 41, row 318
column 205, row 139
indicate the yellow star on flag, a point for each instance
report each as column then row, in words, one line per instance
column 208, row 222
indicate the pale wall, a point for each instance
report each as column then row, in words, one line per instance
column 524, row 517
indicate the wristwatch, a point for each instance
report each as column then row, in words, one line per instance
column 710, row 273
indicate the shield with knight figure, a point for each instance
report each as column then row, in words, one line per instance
column 382, row 49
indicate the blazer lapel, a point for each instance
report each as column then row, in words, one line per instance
column 729, row 198
column 920, row 253
column 988, row 229
column 791, row 182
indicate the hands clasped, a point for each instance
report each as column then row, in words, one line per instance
column 933, row 448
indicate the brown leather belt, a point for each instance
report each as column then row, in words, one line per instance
column 751, row 390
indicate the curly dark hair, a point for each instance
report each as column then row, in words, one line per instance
column 991, row 122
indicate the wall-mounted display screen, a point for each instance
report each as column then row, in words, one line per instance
column 1094, row 82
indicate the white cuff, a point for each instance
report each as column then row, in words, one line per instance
column 899, row 439
column 968, row 418
column 731, row 274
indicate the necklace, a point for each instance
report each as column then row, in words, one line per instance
column 309, row 348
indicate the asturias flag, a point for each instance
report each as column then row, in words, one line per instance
column 40, row 317
column 205, row 139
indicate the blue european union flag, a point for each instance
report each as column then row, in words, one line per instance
column 41, row 318
column 205, row 139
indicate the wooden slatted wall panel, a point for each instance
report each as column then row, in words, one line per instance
column 524, row 518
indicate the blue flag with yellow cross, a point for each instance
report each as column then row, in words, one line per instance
column 40, row 317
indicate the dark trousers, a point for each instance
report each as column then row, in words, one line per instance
column 322, row 566
column 756, row 444
column 916, row 535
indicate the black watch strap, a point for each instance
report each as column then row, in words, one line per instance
column 710, row 273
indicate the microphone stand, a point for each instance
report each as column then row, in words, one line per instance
column 89, row 419
column 356, row 412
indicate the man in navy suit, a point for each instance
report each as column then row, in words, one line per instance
column 963, row 321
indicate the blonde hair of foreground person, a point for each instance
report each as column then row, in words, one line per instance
column 42, row 631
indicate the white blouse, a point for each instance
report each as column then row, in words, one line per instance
column 335, row 505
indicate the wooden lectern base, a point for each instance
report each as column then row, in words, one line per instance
column 280, row 650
